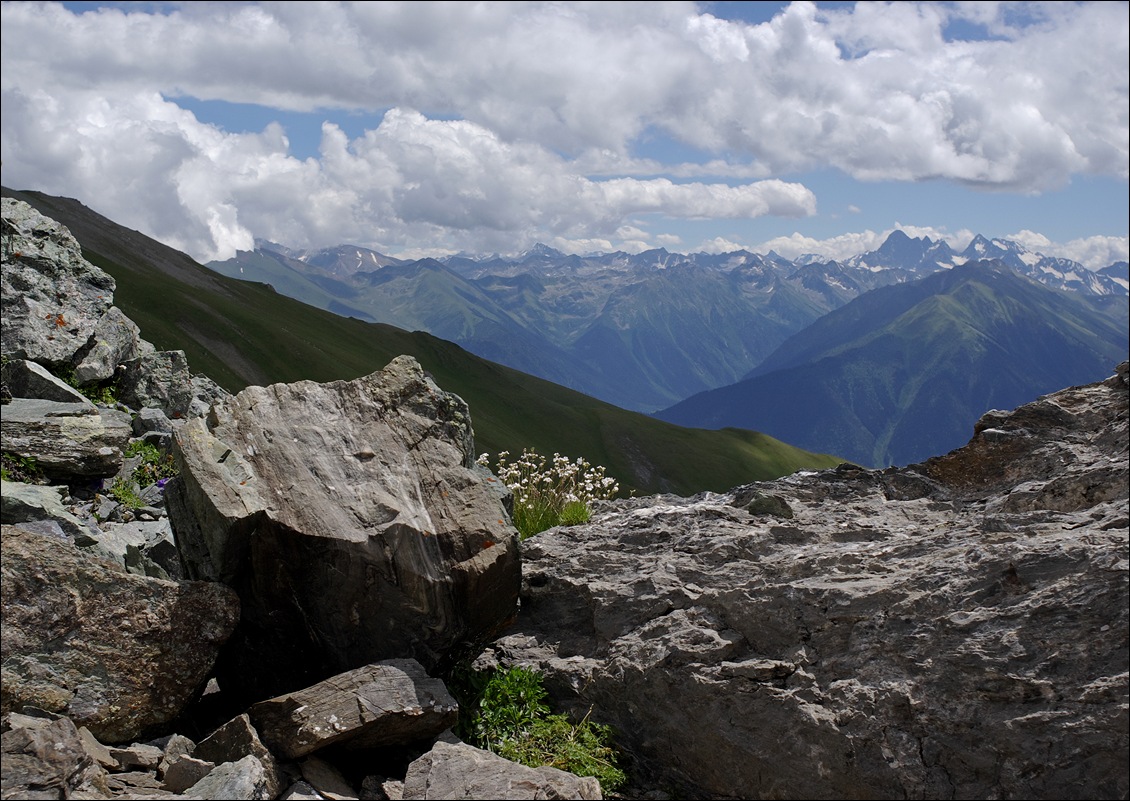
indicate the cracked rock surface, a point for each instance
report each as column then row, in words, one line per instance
column 955, row 629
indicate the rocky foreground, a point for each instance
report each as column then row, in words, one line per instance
column 953, row 629
column 262, row 625
column 271, row 622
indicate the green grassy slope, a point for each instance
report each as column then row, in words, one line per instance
column 242, row 333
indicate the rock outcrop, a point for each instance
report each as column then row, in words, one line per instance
column 58, row 313
column 955, row 629
column 43, row 756
column 351, row 520
column 53, row 302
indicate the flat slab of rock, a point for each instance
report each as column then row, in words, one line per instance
column 27, row 379
column 352, row 522
column 390, row 703
column 117, row 653
column 956, row 629
column 66, row 439
column 41, row 508
column 461, row 771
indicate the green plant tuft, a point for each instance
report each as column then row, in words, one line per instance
column 125, row 492
column 548, row 494
column 505, row 712
column 580, row 748
column 104, row 393
column 154, row 466
column 14, row 467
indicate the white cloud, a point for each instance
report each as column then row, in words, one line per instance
column 838, row 247
column 904, row 104
column 874, row 90
column 1093, row 252
column 583, row 246
column 509, row 122
column 453, row 184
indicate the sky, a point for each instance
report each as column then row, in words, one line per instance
column 427, row 128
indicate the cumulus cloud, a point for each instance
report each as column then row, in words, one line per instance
column 453, row 184
column 510, row 122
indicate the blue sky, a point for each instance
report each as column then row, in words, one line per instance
column 431, row 128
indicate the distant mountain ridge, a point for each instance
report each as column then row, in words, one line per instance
column 902, row 372
column 823, row 354
column 642, row 331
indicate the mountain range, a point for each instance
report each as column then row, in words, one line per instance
column 642, row 331
column 901, row 373
column 885, row 358
column 241, row 333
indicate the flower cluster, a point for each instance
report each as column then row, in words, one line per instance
column 553, row 492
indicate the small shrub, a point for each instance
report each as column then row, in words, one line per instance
column 104, row 393
column 154, row 467
column 20, row 468
column 101, row 394
column 548, row 494
column 505, row 712
column 582, row 749
column 125, row 492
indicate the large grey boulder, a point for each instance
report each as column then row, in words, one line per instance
column 116, row 339
column 40, row 508
column 461, row 771
column 956, row 629
column 159, row 380
column 117, row 653
column 351, row 520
